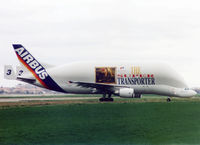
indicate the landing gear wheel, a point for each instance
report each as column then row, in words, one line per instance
column 102, row 99
column 106, row 99
column 168, row 99
column 110, row 99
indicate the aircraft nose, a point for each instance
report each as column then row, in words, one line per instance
column 192, row 92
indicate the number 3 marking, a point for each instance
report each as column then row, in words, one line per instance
column 9, row 72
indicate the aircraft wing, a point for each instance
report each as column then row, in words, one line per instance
column 100, row 87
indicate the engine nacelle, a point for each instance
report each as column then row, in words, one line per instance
column 126, row 93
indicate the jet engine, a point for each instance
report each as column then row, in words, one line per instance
column 126, row 93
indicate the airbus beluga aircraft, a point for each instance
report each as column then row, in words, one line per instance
column 125, row 79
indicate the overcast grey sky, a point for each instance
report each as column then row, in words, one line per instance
column 63, row 31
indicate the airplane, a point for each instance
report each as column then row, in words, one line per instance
column 124, row 79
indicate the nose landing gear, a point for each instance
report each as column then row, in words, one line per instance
column 168, row 99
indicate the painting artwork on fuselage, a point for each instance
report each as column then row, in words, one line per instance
column 105, row 75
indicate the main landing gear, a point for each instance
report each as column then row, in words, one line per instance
column 106, row 99
column 168, row 99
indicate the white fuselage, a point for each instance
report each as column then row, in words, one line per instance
column 125, row 79
column 144, row 78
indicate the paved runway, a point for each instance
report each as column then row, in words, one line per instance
column 44, row 99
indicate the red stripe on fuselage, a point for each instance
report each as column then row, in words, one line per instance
column 30, row 69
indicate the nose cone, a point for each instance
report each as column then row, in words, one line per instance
column 186, row 93
column 192, row 92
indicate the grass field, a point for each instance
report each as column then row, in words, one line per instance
column 130, row 122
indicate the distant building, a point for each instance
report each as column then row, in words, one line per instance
column 25, row 89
